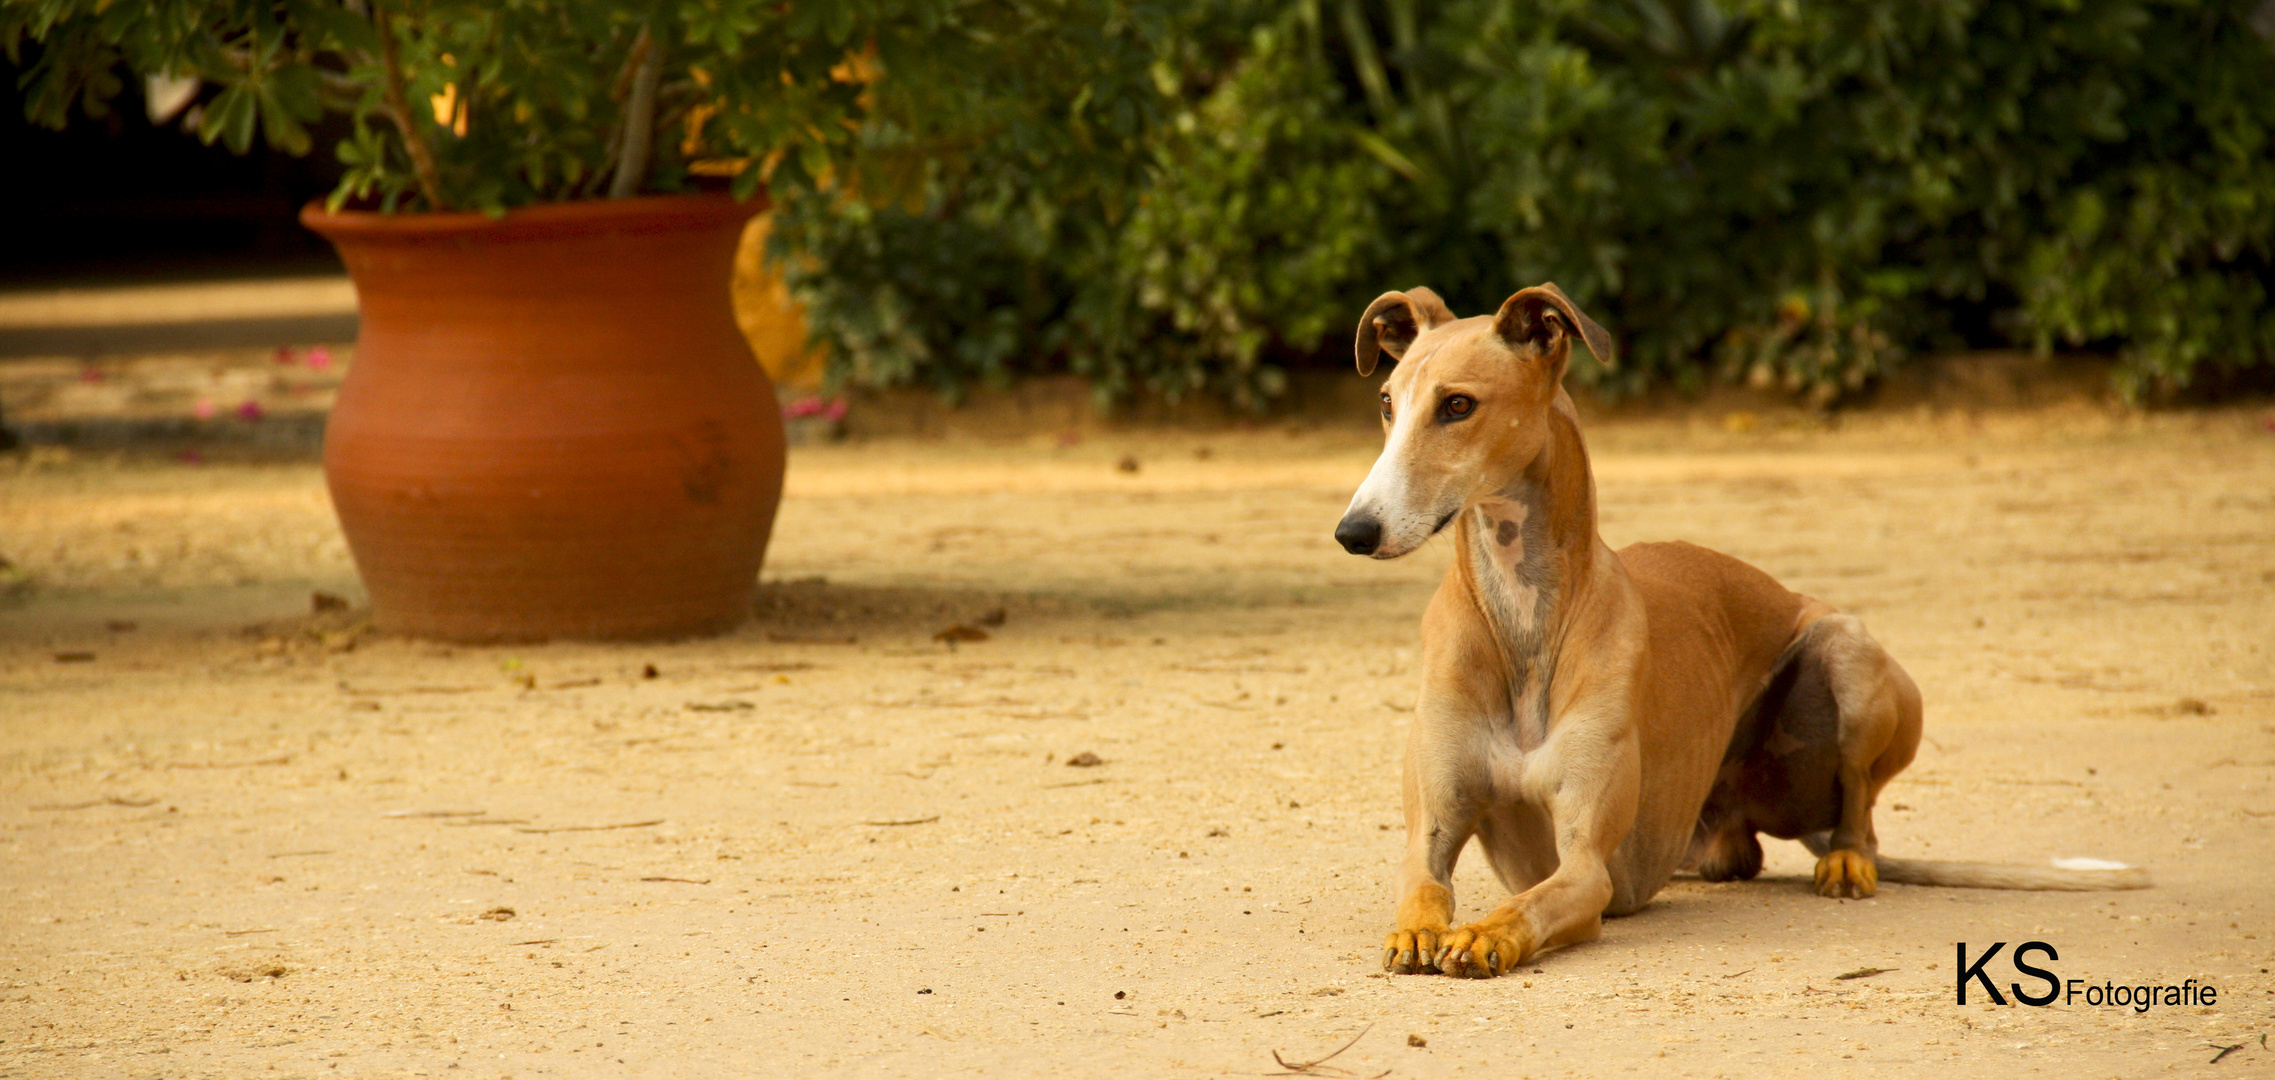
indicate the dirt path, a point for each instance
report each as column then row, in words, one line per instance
column 829, row 844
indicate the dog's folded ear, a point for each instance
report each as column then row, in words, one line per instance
column 1543, row 316
column 1394, row 320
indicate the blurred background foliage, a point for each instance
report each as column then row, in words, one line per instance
column 488, row 104
column 1196, row 197
column 1185, row 197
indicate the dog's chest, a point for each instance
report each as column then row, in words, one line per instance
column 1515, row 583
column 1515, row 580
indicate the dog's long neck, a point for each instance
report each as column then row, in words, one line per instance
column 1524, row 550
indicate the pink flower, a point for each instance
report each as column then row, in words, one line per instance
column 203, row 410
column 832, row 409
column 319, row 358
column 249, row 411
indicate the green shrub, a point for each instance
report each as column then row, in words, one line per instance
column 492, row 104
column 1800, row 195
column 969, row 239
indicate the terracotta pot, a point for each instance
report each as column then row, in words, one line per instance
column 553, row 427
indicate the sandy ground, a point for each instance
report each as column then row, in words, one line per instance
column 330, row 294
column 237, row 840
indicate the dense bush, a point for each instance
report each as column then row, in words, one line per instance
column 493, row 104
column 972, row 236
column 1189, row 197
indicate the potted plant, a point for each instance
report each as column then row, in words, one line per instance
column 553, row 427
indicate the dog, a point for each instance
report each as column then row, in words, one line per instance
column 1600, row 719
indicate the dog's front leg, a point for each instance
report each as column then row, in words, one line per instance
column 1588, row 779
column 1444, row 792
column 1441, row 815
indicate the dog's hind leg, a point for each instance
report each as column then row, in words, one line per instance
column 1725, row 847
column 1879, row 731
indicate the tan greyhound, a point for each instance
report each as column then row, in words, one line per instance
column 1599, row 719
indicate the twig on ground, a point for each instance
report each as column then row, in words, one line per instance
column 1309, row 1068
column 1860, row 973
column 280, row 759
column 433, row 813
column 910, row 821
column 2224, row 1051
column 594, row 828
column 109, row 801
column 681, row 880
column 241, row 933
column 533, row 941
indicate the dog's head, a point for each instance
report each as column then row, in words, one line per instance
column 1465, row 412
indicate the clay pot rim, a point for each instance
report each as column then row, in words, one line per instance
column 580, row 217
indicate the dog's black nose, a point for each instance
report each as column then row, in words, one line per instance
column 1358, row 535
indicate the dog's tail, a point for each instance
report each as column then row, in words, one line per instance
column 2066, row 875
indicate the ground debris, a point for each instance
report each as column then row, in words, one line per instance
column 1863, row 973
column 1314, row 1066
column 592, row 828
column 247, row 973
column 280, row 759
column 112, row 800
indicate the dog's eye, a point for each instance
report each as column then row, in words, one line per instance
column 1386, row 406
column 1456, row 407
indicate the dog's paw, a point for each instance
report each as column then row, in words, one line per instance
column 1483, row 950
column 1411, row 952
column 1847, row 875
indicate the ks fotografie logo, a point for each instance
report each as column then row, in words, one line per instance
column 2106, row 994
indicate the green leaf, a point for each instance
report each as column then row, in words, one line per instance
column 231, row 118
